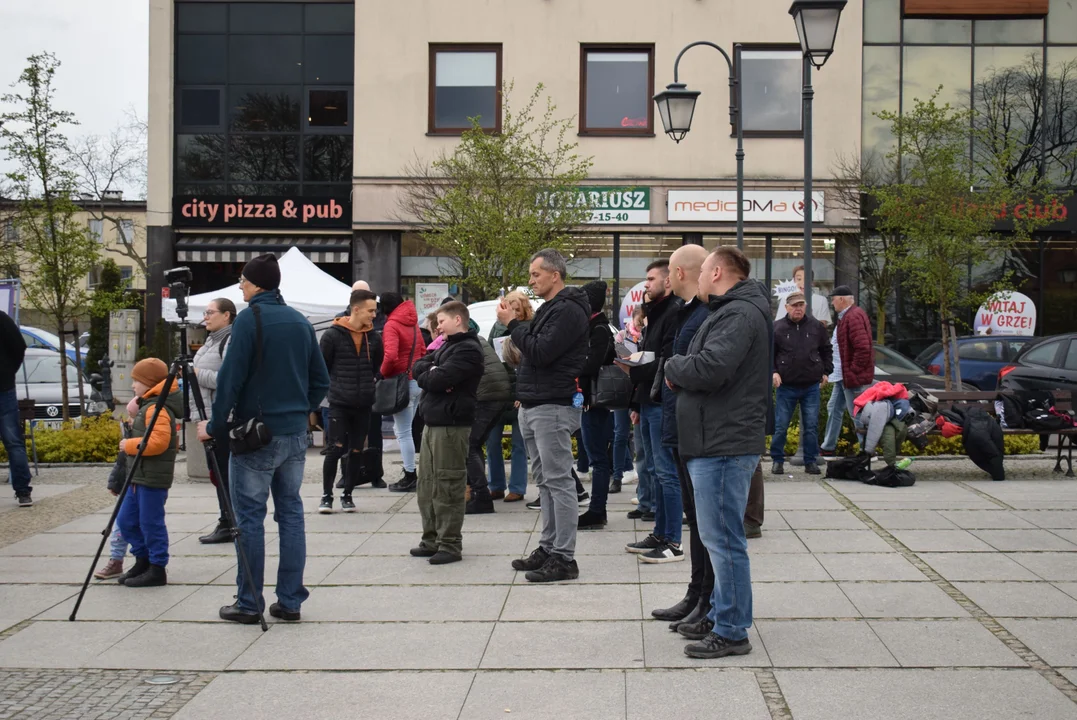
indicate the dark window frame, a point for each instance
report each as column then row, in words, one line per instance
column 737, row 70
column 182, row 129
column 304, row 121
column 585, row 48
column 431, row 104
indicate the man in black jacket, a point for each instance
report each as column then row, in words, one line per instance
column 803, row 358
column 553, row 350
column 370, row 466
column 450, row 380
column 723, row 390
column 353, row 355
column 12, row 352
column 597, row 422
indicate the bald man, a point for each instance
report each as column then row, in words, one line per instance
column 360, row 285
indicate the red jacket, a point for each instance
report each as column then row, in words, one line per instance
column 879, row 391
column 857, row 349
column 401, row 331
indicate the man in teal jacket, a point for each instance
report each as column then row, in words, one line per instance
column 281, row 382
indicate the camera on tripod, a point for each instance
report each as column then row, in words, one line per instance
column 179, row 282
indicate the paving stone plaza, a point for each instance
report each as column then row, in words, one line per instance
column 955, row 599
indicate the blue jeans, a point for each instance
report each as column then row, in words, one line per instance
column 141, row 521
column 402, row 428
column 117, row 546
column 496, row 461
column 597, row 427
column 721, row 493
column 11, row 433
column 835, row 417
column 786, row 401
column 668, row 506
column 276, row 468
column 645, row 487
column 622, row 450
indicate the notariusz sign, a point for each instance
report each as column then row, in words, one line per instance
column 609, row 205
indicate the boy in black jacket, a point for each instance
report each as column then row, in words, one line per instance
column 449, row 379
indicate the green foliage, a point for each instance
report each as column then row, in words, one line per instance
column 164, row 345
column 494, row 201
column 110, row 295
column 91, row 440
column 1014, row 445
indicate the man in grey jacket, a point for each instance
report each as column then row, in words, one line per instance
column 723, row 386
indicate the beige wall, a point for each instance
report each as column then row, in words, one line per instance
column 541, row 40
column 159, row 142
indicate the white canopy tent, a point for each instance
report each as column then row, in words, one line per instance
column 305, row 287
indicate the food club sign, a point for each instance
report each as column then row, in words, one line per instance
column 759, row 206
column 1007, row 313
column 260, row 212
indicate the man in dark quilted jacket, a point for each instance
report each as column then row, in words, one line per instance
column 855, row 346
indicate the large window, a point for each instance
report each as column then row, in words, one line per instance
column 771, row 87
column 262, row 91
column 465, row 83
column 616, row 87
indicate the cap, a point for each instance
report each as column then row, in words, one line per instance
column 794, row 298
column 842, row 291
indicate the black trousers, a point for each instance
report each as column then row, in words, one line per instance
column 347, row 431
column 221, row 453
column 487, row 417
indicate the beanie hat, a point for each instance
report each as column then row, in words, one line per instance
column 263, row 272
column 596, row 294
column 390, row 301
column 150, row 372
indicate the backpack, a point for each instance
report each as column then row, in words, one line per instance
column 1010, row 411
column 922, row 400
column 918, row 432
column 891, row 477
column 857, row 467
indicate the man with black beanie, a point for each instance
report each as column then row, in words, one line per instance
column 12, row 351
column 597, row 423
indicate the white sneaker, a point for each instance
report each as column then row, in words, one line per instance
column 666, row 553
column 630, row 478
column 635, row 500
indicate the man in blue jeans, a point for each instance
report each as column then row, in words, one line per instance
column 275, row 372
column 723, row 388
column 803, row 358
column 12, row 352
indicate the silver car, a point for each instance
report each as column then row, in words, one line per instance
column 42, row 382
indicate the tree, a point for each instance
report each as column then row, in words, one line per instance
column 947, row 222
column 498, row 198
column 59, row 251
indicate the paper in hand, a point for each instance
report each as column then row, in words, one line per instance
column 637, row 358
column 499, row 347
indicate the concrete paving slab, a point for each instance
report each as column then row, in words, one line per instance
column 56, row 545
column 616, row 569
column 976, row 566
column 1053, row 640
column 1049, row 519
column 689, row 695
column 176, row 524
column 472, row 570
column 193, row 570
column 423, row 603
column 496, row 522
column 573, row 602
column 189, row 546
column 1019, row 600
column 823, row 643
column 315, row 571
column 661, row 595
column 1068, row 535
column 785, row 567
column 898, row 503
column 341, row 522
column 867, row 566
column 922, row 694
column 944, row 643
column 44, row 570
column 113, row 601
column 178, row 646
column 22, row 602
column 665, row 649
column 822, row 520
column 987, row 520
column 941, row 541
column 803, row 501
column 801, row 600
column 1035, row 540
column 912, row 519
column 844, row 541
column 40, row 492
column 331, row 696
column 901, row 600
column 367, row 646
column 1070, row 588
column 602, row 542
column 776, row 541
column 61, row 644
column 1061, row 567
column 475, row 544
column 546, row 694
column 552, row 645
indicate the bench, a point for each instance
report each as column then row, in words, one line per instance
column 1063, row 400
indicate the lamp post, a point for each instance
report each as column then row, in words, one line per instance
column 677, row 105
column 817, row 27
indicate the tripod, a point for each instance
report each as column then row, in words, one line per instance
column 181, row 367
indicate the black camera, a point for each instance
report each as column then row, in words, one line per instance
column 179, row 281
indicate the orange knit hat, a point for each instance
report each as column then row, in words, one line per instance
column 150, row 372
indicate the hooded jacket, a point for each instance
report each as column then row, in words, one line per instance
column 802, row 351
column 553, row 349
column 400, row 335
column 599, row 353
column 450, row 380
column 689, row 319
column 723, row 380
column 856, row 349
column 353, row 359
column 496, row 385
column 158, row 462
column 661, row 317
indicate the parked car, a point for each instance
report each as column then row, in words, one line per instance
column 37, row 338
column 1049, row 364
column 42, row 382
column 979, row 357
column 892, row 366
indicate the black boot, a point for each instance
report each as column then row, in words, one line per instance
column 679, row 611
column 701, row 611
column 221, row 534
column 155, row 576
column 480, row 504
column 408, row 483
column 142, row 564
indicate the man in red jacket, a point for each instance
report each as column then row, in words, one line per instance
column 855, row 345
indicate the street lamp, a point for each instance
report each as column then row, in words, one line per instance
column 677, row 106
column 817, row 27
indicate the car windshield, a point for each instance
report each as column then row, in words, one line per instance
column 891, row 362
column 44, row 369
column 50, row 338
column 927, row 355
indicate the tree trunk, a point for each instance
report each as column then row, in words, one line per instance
column 65, row 410
column 957, row 358
column 946, row 369
column 78, row 369
column 880, row 319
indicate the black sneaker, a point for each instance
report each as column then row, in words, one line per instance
column 697, row 630
column 346, row 504
column 378, row 483
column 679, row 611
column 480, row 504
column 24, row 500
column 232, row 613
column 221, row 534
column 716, row 646
column 423, row 552
column 582, row 497
column 647, row 516
column 812, row 469
column 777, row 468
column 442, row 557
column 408, row 483
column 666, row 554
column 699, row 612
column 555, row 569
column 645, row 545
column 535, row 504
column 591, row 521
column 636, row 514
column 155, row 576
column 752, row 531
column 615, row 486
column 533, row 561
column 326, row 505
column 281, row 614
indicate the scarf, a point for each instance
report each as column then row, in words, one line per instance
column 221, row 336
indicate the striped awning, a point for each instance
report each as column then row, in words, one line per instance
column 241, row 248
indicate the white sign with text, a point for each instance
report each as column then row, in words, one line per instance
column 428, row 297
column 759, row 206
column 1007, row 313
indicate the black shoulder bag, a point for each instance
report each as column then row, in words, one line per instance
column 253, row 434
column 392, row 395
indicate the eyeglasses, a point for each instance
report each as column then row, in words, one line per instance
column 207, row 313
column 242, row 279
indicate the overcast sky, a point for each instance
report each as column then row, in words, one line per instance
column 102, row 46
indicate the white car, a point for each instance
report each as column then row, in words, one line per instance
column 42, row 383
